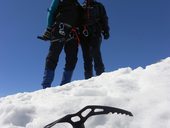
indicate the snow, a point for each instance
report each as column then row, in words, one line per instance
column 143, row 91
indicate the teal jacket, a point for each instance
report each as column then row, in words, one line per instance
column 51, row 13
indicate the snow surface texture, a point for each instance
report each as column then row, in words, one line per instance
column 144, row 92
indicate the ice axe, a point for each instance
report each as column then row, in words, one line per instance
column 43, row 38
column 85, row 113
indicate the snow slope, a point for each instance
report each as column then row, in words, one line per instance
column 144, row 92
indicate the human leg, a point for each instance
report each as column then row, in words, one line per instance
column 71, row 50
column 96, row 53
column 51, row 63
column 87, row 57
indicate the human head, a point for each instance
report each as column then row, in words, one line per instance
column 89, row 1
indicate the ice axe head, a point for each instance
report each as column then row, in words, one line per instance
column 85, row 113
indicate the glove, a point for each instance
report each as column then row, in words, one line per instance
column 47, row 35
column 106, row 35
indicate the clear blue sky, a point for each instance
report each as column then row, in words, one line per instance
column 140, row 35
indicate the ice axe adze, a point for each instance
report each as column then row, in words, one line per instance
column 85, row 113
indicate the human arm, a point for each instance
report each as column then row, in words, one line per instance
column 51, row 13
column 104, row 22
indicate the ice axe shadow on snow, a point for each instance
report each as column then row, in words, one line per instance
column 85, row 113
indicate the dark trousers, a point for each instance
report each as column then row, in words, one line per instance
column 70, row 49
column 91, row 53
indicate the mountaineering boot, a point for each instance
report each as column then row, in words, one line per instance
column 99, row 72
column 88, row 74
column 47, row 78
column 67, row 75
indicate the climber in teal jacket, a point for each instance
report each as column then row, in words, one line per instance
column 62, row 22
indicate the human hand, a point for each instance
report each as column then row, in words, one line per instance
column 106, row 35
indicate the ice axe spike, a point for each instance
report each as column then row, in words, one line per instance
column 92, row 110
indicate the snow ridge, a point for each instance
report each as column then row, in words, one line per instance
column 144, row 92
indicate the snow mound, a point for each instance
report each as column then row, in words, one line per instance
column 144, row 92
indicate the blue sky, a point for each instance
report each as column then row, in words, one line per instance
column 140, row 35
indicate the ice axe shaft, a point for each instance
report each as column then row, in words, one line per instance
column 43, row 38
column 40, row 37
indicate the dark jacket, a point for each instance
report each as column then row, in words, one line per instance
column 95, row 15
column 66, row 11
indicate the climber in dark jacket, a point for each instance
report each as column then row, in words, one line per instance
column 95, row 23
column 63, row 19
